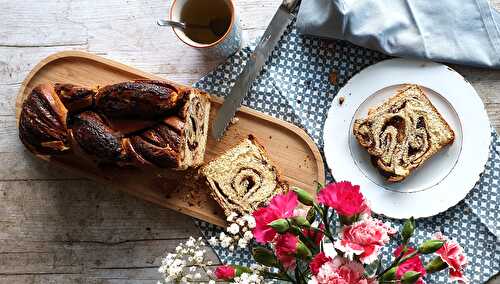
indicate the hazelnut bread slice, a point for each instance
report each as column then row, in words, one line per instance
column 243, row 178
column 403, row 133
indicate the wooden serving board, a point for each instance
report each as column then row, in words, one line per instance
column 290, row 147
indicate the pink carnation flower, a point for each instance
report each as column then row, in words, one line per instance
column 281, row 206
column 225, row 272
column 286, row 248
column 412, row 264
column 452, row 254
column 318, row 261
column 344, row 197
column 314, row 235
column 364, row 238
column 340, row 271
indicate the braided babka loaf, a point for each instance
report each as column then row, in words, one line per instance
column 140, row 123
column 243, row 178
column 402, row 133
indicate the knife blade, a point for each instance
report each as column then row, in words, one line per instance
column 256, row 61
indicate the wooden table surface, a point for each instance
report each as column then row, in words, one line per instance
column 56, row 227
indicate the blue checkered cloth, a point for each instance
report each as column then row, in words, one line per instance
column 294, row 86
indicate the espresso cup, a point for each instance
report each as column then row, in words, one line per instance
column 212, row 26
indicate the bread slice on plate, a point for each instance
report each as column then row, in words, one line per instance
column 243, row 178
column 403, row 133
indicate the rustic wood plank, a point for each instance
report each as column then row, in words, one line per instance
column 81, row 210
column 41, row 213
column 59, row 229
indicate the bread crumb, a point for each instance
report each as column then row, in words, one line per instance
column 333, row 77
column 234, row 120
column 341, row 100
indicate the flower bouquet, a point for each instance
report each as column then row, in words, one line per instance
column 330, row 239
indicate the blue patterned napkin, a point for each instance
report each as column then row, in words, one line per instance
column 294, row 86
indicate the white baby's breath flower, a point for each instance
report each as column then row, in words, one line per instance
column 211, row 282
column 197, row 276
column 241, row 221
column 190, row 242
column 258, row 267
column 248, row 235
column 231, row 248
column 242, row 243
column 233, row 229
column 198, row 256
column 250, row 221
column 247, row 278
column 226, row 242
column 231, row 217
column 213, row 241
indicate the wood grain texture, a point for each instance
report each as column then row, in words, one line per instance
column 289, row 147
column 58, row 228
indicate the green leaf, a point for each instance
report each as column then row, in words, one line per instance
column 280, row 225
column 408, row 229
column 295, row 230
column 300, row 221
column 410, row 277
column 311, row 215
column 241, row 269
column 303, row 251
column 264, row 256
column 390, row 274
column 319, row 186
column 304, row 196
column 348, row 220
column 430, row 246
column 435, row 265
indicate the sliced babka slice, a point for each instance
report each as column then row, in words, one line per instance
column 403, row 133
column 243, row 178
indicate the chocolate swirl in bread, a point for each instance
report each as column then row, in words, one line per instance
column 402, row 133
column 243, row 178
column 140, row 123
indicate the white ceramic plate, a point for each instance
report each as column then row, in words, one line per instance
column 443, row 180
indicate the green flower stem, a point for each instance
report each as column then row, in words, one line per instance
column 285, row 274
column 297, row 274
column 308, row 242
column 394, row 263
column 324, row 216
column 277, row 276
column 402, row 260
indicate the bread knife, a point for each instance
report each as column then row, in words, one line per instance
column 258, row 57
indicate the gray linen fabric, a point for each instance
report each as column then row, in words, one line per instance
column 455, row 31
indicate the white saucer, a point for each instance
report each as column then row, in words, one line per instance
column 443, row 180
